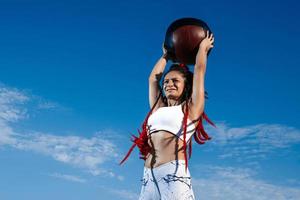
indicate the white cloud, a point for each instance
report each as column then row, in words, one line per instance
column 68, row 177
column 11, row 110
column 85, row 153
column 224, row 183
column 41, row 104
column 74, row 150
column 275, row 135
column 5, row 134
column 11, row 101
column 47, row 105
column 252, row 142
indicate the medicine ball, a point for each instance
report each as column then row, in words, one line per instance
column 182, row 39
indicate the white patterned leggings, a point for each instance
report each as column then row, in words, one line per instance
column 168, row 181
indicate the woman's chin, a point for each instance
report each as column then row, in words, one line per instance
column 172, row 97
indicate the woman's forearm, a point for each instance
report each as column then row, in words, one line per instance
column 158, row 69
column 198, row 94
column 201, row 61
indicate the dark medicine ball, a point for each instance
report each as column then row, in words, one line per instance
column 182, row 39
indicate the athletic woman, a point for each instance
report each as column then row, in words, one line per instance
column 177, row 109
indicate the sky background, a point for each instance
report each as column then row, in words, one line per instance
column 73, row 87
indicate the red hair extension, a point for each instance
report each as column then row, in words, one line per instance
column 190, row 149
column 142, row 140
column 182, row 65
column 200, row 135
column 185, row 117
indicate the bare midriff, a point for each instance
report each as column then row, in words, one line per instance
column 165, row 148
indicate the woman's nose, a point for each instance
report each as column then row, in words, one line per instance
column 170, row 83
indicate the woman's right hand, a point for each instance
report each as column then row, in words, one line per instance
column 165, row 52
column 207, row 43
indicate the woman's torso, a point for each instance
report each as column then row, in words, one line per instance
column 166, row 146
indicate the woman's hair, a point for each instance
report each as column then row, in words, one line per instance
column 200, row 136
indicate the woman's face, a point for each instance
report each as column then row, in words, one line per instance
column 173, row 85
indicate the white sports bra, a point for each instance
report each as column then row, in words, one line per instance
column 170, row 119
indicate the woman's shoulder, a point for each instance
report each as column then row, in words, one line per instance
column 159, row 105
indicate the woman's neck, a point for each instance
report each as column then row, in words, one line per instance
column 172, row 102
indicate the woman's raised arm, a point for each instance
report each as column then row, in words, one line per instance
column 154, row 78
column 198, row 94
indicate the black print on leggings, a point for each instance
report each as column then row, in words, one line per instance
column 145, row 180
column 173, row 178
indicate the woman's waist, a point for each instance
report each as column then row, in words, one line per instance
column 156, row 160
column 164, row 138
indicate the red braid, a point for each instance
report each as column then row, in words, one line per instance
column 142, row 140
column 186, row 115
column 200, row 135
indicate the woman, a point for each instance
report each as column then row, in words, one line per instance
column 174, row 117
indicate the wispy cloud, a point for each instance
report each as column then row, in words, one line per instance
column 252, row 142
column 85, row 153
column 11, row 101
column 47, row 105
column 11, row 110
column 222, row 183
column 42, row 104
column 68, row 177
column 81, row 152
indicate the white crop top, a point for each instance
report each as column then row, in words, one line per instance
column 170, row 119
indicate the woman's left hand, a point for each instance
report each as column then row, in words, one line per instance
column 207, row 43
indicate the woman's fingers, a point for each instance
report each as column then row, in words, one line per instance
column 208, row 42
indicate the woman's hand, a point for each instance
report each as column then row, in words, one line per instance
column 207, row 43
column 165, row 52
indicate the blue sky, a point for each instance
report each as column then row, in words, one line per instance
column 73, row 87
